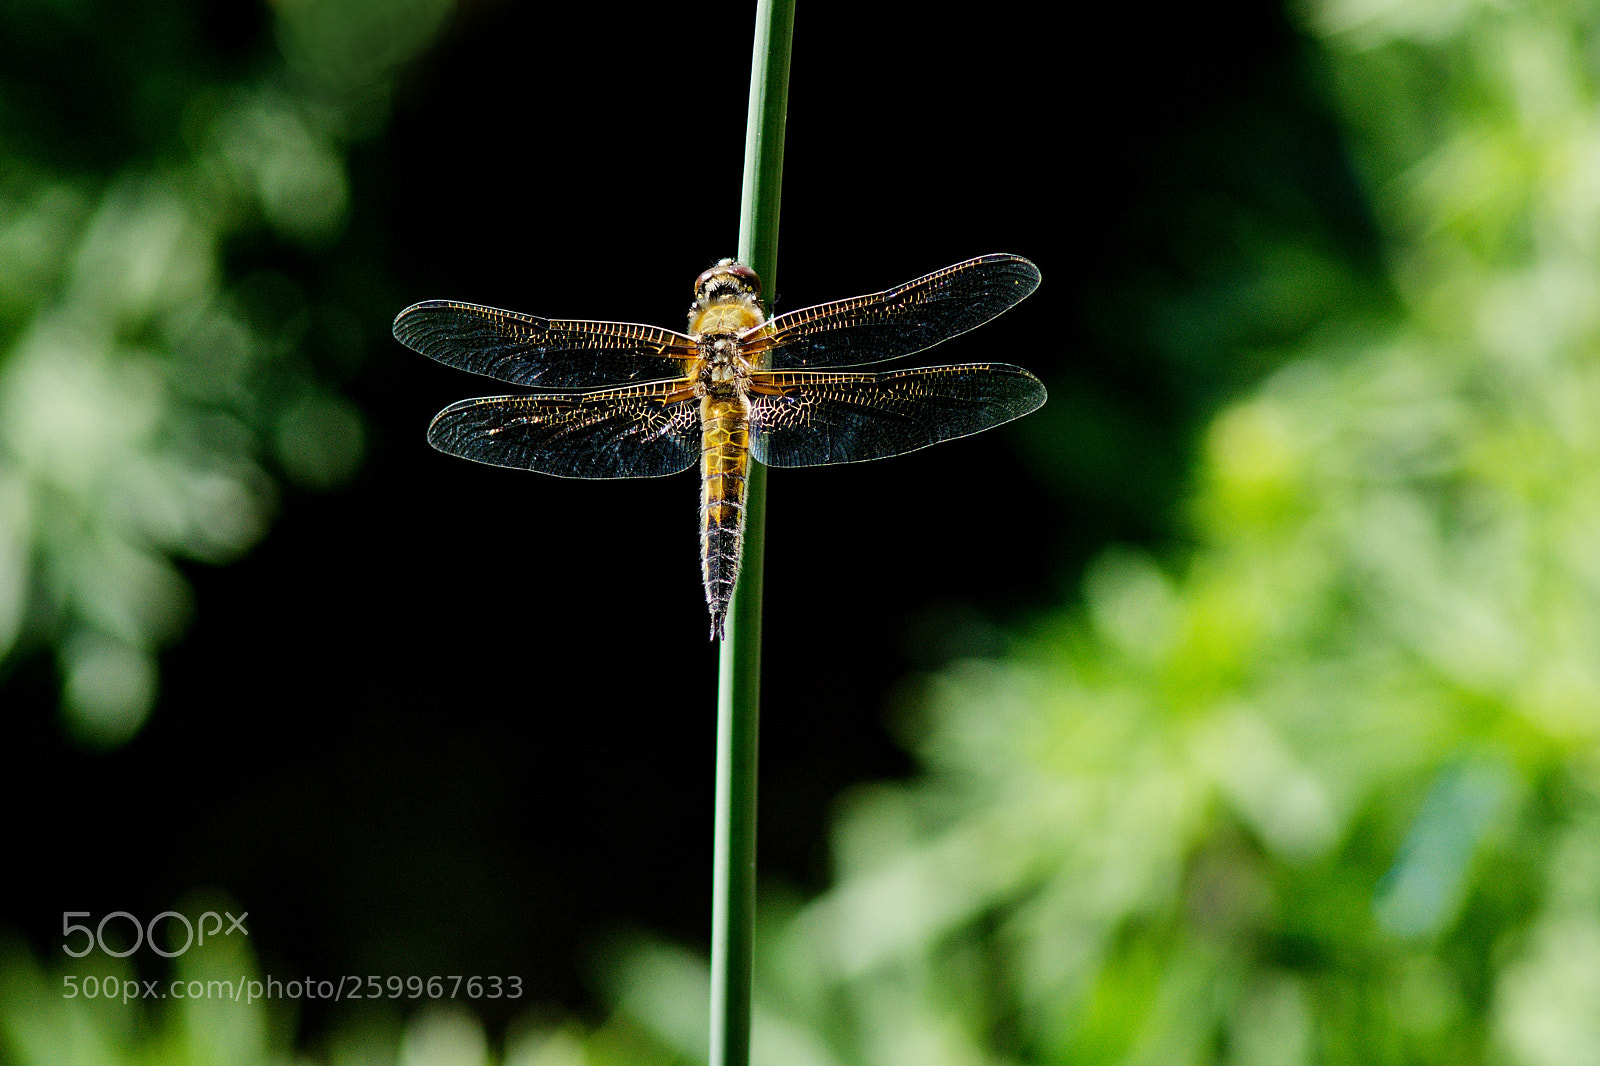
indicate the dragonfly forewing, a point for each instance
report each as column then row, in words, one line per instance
column 899, row 321
column 538, row 352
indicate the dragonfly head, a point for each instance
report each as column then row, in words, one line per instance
column 725, row 279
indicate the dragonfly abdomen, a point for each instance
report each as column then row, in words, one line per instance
column 724, row 463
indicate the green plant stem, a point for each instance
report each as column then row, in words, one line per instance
column 739, row 680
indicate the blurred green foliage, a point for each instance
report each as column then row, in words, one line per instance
column 150, row 400
column 1324, row 790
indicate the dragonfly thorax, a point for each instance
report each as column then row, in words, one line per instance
column 722, row 366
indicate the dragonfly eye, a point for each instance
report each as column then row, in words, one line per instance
column 727, row 278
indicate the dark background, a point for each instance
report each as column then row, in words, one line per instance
column 453, row 719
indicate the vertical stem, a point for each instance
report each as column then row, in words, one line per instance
column 739, row 680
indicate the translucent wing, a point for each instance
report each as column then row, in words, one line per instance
column 644, row 430
column 540, row 353
column 819, row 417
column 903, row 320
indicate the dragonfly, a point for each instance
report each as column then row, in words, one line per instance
column 624, row 400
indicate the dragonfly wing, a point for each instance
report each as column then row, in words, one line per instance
column 900, row 321
column 645, row 430
column 541, row 352
column 820, row 417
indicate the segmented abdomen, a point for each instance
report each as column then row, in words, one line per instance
column 724, row 461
